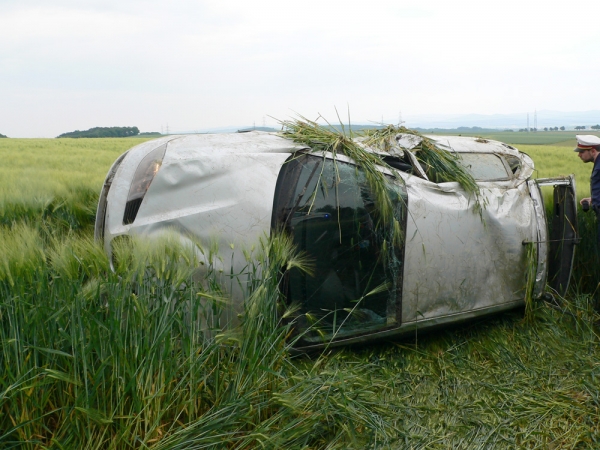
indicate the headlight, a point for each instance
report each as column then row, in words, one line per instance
column 142, row 179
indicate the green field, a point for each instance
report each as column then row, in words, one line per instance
column 97, row 359
column 39, row 168
column 566, row 138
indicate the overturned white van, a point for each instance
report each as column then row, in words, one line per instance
column 458, row 258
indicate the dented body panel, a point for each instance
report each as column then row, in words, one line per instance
column 214, row 187
column 459, row 258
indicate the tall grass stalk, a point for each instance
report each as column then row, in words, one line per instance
column 439, row 165
column 101, row 360
column 321, row 139
column 96, row 359
column 531, row 271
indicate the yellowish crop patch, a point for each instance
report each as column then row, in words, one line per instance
column 33, row 168
column 555, row 160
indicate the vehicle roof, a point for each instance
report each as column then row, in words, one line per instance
column 236, row 143
column 270, row 142
column 194, row 146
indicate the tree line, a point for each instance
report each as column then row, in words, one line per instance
column 101, row 132
column 581, row 127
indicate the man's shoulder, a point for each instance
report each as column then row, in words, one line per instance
column 595, row 175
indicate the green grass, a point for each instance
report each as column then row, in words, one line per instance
column 44, row 167
column 96, row 359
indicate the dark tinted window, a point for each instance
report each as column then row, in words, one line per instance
column 328, row 208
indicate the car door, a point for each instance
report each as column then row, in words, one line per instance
column 557, row 233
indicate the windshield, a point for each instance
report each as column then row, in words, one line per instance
column 329, row 210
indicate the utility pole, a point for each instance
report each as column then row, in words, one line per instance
column 400, row 121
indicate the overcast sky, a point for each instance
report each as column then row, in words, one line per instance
column 196, row 65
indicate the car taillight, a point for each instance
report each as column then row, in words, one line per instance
column 142, row 179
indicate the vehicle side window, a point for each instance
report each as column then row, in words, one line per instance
column 514, row 163
column 327, row 207
column 404, row 163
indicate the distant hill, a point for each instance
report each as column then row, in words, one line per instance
column 456, row 130
column 358, row 127
column 503, row 121
column 244, row 130
column 2, row 136
column 100, row 132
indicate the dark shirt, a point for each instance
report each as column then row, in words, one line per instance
column 595, row 183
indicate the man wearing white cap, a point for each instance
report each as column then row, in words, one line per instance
column 588, row 149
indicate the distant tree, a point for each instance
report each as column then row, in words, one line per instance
column 580, row 127
column 562, row 128
column 2, row 136
column 545, row 128
column 101, row 132
column 595, row 127
column 522, row 129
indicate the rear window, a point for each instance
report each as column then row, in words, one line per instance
column 484, row 166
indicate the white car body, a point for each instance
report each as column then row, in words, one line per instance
column 456, row 263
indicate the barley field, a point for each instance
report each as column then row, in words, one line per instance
column 532, row 138
column 99, row 359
